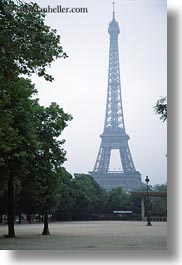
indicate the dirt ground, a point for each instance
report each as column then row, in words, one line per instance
column 97, row 235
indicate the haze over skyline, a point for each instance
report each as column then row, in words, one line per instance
column 80, row 85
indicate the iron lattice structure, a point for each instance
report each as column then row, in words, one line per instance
column 114, row 135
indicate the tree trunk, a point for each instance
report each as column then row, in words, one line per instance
column 11, row 231
column 46, row 223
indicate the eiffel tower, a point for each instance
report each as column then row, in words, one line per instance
column 114, row 135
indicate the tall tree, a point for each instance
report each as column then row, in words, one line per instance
column 49, row 154
column 27, row 46
column 17, row 135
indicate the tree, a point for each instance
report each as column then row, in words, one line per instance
column 49, row 154
column 90, row 197
column 43, row 182
column 17, row 133
column 117, row 200
column 159, row 204
column 67, row 197
column 27, row 46
column 161, row 108
column 135, row 204
column 81, row 197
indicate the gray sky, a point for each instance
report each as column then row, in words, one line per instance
column 80, row 85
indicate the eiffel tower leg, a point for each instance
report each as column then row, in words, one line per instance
column 103, row 158
column 127, row 162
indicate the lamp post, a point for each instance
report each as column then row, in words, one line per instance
column 148, row 212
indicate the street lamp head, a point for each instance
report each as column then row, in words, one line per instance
column 147, row 179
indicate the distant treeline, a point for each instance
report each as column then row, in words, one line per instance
column 81, row 198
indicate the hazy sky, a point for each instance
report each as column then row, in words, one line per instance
column 80, row 85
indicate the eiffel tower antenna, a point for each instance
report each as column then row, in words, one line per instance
column 113, row 3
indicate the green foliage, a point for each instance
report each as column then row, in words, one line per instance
column 27, row 44
column 159, row 204
column 160, row 187
column 30, row 153
column 66, row 197
column 90, row 198
column 81, row 197
column 30, row 148
column 16, row 130
column 44, row 175
column 117, row 200
column 161, row 108
column 135, row 203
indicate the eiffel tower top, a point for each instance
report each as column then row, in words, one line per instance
column 113, row 25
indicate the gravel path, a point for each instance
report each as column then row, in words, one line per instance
column 100, row 235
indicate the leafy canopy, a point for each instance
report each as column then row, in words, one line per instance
column 27, row 44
